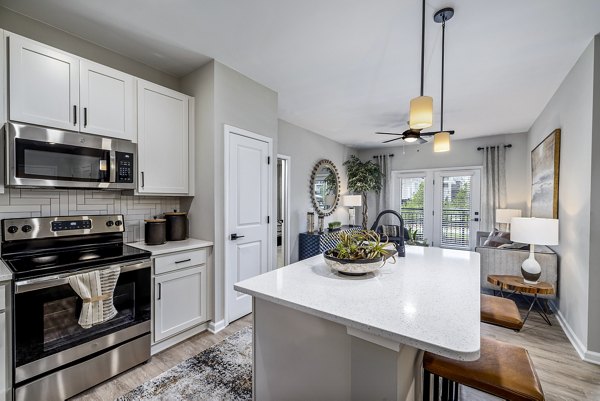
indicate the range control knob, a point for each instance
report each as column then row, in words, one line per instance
column 26, row 228
column 13, row 229
column 118, row 223
column 109, row 223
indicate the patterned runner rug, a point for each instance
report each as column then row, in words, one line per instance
column 221, row 372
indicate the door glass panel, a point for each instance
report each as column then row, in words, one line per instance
column 456, row 212
column 412, row 204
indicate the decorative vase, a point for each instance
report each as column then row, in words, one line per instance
column 356, row 267
column 310, row 222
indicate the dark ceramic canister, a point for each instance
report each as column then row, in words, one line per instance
column 155, row 231
column 177, row 225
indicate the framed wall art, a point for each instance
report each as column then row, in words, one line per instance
column 545, row 168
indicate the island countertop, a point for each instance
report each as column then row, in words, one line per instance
column 428, row 299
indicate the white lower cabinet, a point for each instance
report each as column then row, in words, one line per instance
column 180, row 307
column 180, row 301
column 5, row 349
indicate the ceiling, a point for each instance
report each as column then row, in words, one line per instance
column 346, row 68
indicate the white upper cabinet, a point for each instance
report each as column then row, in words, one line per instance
column 163, row 140
column 43, row 84
column 107, row 101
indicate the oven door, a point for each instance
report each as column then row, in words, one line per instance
column 45, row 157
column 47, row 334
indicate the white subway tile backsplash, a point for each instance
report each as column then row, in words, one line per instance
column 17, row 202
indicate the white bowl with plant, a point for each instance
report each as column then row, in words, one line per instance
column 359, row 252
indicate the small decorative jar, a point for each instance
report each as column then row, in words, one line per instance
column 310, row 222
column 321, row 224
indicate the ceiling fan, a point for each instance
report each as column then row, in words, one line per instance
column 442, row 137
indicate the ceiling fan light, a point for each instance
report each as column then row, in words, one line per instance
column 441, row 142
column 421, row 112
column 410, row 139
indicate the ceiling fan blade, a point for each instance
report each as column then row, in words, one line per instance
column 388, row 133
column 451, row 132
column 421, row 141
column 392, row 140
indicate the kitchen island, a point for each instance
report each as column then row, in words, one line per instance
column 322, row 335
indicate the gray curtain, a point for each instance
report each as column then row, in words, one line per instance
column 382, row 199
column 493, row 185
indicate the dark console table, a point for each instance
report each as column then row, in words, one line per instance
column 314, row 244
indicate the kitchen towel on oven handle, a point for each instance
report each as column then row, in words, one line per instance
column 96, row 291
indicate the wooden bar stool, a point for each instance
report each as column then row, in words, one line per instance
column 501, row 312
column 502, row 370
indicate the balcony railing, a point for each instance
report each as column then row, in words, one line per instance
column 456, row 224
column 413, row 219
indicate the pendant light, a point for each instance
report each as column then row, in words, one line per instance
column 441, row 140
column 421, row 108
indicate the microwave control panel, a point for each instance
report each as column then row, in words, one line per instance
column 124, row 167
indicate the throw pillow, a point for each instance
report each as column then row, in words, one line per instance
column 497, row 238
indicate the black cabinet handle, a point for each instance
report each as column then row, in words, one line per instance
column 85, row 117
column 183, row 261
column 142, row 179
column 233, row 237
column 159, row 291
column 74, row 114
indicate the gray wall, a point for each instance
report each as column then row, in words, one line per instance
column 464, row 153
column 237, row 101
column 594, row 284
column 570, row 109
column 306, row 148
column 36, row 30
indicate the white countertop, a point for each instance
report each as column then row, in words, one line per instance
column 428, row 300
column 172, row 246
column 5, row 273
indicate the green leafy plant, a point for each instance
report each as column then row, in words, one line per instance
column 334, row 225
column 413, row 239
column 358, row 245
column 363, row 177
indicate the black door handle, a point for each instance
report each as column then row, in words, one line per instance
column 235, row 236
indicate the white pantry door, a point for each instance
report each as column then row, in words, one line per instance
column 248, row 234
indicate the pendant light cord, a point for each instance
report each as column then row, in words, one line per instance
column 422, row 47
column 442, row 95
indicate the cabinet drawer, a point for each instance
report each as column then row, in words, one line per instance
column 2, row 297
column 180, row 260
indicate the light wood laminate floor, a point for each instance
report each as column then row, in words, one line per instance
column 563, row 374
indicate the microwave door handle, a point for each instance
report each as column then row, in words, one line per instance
column 112, row 169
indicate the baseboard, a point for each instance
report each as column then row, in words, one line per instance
column 215, row 327
column 584, row 354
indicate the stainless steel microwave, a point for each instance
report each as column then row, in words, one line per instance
column 45, row 157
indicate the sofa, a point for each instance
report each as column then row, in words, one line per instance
column 508, row 261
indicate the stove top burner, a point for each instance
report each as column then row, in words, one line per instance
column 60, row 261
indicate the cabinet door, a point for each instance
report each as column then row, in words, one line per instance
column 3, row 360
column 162, row 140
column 180, row 301
column 44, row 84
column 106, row 101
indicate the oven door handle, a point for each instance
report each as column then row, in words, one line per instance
column 61, row 279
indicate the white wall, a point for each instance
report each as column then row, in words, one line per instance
column 570, row 109
column 464, row 153
column 306, row 148
column 36, row 30
column 241, row 102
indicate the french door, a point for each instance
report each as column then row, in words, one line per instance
column 440, row 206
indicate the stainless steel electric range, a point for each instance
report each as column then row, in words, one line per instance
column 54, row 356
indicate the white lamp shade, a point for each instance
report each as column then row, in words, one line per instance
column 504, row 216
column 421, row 112
column 352, row 200
column 531, row 230
column 441, row 142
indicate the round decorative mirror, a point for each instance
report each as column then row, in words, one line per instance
column 325, row 187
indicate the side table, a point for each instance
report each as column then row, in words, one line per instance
column 518, row 286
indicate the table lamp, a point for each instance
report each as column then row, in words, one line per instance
column 351, row 202
column 503, row 216
column 531, row 230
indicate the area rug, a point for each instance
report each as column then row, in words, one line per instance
column 221, row 372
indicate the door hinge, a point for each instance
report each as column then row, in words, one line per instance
column 268, row 159
column 268, row 219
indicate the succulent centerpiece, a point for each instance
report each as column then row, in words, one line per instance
column 359, row 252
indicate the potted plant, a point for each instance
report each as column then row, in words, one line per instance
column 334, row 225
column 363, row 177
column 359, row 252
column 413, row 240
